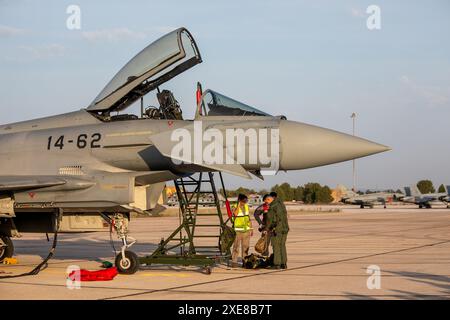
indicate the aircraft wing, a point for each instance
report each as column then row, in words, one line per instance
column 15, row 183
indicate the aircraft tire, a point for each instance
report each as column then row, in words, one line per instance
column 129, row 265
column 8, row 251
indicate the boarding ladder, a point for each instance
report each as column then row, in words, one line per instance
column 202, row 232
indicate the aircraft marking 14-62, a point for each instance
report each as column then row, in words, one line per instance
column 81, row 142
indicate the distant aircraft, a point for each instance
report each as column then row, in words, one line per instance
column 446, row 199
column 413, row 195
column 366, row 200
column 87, row 164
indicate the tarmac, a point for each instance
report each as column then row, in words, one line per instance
column 330, row 255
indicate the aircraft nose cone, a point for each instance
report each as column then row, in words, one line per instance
column 307, row 146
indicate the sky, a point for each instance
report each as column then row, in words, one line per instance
column 312, row 61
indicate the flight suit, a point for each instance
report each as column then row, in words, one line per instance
column 278, row 224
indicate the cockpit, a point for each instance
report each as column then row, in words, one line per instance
column 159, row 62
column 216, row 104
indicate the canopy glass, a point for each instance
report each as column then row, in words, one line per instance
column 216, row 104
column 157, row 63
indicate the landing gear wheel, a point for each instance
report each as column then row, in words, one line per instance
column 8, row 251
column 129, row 265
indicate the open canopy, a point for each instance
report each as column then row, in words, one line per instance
column 159, row 62
column 216, row 104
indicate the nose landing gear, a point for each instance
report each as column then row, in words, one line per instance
column 127, row 262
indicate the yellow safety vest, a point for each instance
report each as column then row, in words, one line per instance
column 242, row 220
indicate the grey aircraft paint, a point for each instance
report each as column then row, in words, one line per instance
column 90, row 161
column 367, row 200
column 413, row 195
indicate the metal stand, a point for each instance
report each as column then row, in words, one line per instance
column 197, row 239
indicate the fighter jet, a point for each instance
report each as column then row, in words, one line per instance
column 366, row 200
column 447, row 198
column 413, row 195
column 87, row 164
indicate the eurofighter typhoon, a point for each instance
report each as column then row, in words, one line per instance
column 76, row 168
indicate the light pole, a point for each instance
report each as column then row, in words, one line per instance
column 353, row 116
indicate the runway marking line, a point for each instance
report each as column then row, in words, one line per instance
column 182, row 275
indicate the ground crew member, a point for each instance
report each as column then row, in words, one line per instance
column 279, row 227
column 262, row 210
column 243, row 227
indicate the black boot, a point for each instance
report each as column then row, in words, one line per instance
column 274, row 267
column 283, row 266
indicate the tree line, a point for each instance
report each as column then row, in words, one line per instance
column 309, row 193
column 426, row 186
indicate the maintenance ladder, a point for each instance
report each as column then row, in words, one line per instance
column 200, row 232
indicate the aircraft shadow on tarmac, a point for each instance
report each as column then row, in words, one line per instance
column 438, row 281
column 441, row 282
column 71, row 247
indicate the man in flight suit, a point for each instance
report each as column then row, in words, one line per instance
column 279, row 227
